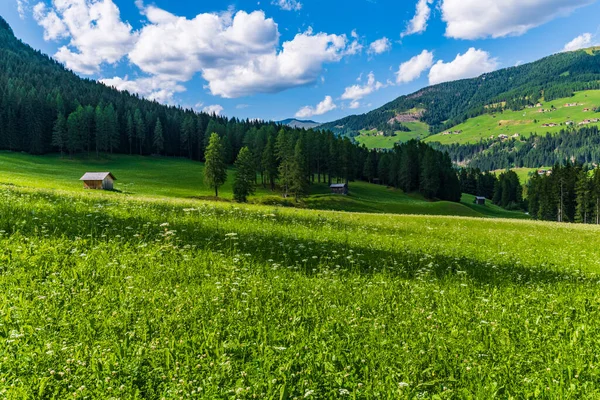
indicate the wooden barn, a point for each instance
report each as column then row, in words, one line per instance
column 480, row 200
column 98, row 180
column 339, row 188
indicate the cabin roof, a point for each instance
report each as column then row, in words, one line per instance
column 96, row 176
column 480, row 197
column 338, row 185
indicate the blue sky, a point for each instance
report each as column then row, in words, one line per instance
column 275, row 59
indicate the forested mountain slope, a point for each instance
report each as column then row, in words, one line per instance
column 448, row 104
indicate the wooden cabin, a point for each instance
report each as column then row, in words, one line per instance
column 98, row 180
column 339, row 188
column 480, row 200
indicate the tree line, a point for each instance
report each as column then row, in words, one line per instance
column 570, row 193
column 576, row 145
column 414, row 167
column 504, row 190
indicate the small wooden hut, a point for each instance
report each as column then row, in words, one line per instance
column 480, row 200
column 98, row 180
column 339, row 188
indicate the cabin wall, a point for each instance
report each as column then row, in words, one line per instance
column 107, row 183
column 92, row 184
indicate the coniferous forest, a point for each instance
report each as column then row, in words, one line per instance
column 45, row 108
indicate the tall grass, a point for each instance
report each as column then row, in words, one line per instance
column 102, row 297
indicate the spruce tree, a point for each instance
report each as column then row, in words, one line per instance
column 243, row 184
column 298, row 180
column 59, row 133
column 269, row 162
column 158, row 140
column 215, row 170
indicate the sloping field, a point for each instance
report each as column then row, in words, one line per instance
column 527, row 121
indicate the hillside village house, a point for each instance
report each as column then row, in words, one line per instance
column 98, row 180
column 479, row 200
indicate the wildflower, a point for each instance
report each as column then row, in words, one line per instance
column 403, row 384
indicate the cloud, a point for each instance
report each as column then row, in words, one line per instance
column 413, row 68
column 418, row 23
column 469, row 65
column 213, row 109
column 22, row 6
column 288, row 5
column 237, row 53
column 54, row 28
column 95, row 29
column 380, row 46
column 357, row 92
column 151, row 88
column 473, row 19
column 580, row 42
column 323, row 107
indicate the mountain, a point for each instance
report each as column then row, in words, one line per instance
column 448, row 104
column 298, row 123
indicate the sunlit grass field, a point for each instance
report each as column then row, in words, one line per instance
column 418, row 130
column 129, row 297
column 179, row 178
column 524, row 122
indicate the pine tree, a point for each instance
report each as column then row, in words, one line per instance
column 59, row 133
column 298, row 180
column 215, row 170
column 269, row 162
column 158, row 140
column 285, row 156
column 369, row 167
column 583, row 191
column 243, row 184
column 101, row 130
column 140, row 128
column 130, row 128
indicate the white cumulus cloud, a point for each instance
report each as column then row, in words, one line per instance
column 288, row 5
column 213, row 109
column 95, row 29
column 580, row 42
column 357, row 92
column 418, row 23
column 323, row 107
column 236, row 52
column 413, row 68
column 151, row 88
column 380, row 46
column 473, row 19
column 469, row 65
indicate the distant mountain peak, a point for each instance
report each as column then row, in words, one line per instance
column 299, row 123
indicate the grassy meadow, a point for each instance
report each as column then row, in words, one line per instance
column 179, row 178
column 418, row 130
column 137, row 297
column 523, row 122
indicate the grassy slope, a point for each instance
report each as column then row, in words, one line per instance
column 522, row 122
column 165, row 298
column 180, row 178
column 372, row 141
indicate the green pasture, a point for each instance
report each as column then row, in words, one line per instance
column 146, row 298
column 524, row 122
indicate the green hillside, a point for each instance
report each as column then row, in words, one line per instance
column 527, row 121
column 160, row 177
column 373, row 140
column 449, row 104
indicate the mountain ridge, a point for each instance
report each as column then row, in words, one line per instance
column 447, row 104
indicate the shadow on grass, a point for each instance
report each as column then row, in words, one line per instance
column 263, row 246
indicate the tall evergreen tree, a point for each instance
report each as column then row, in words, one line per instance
column 158, row 140
column 59, row 133
column 215, row 170
column 243, row 184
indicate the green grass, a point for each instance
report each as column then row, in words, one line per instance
column 522, row 122
column 418, row 130
column 142, row 298
column 180, row 178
